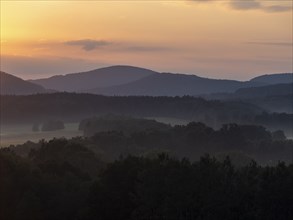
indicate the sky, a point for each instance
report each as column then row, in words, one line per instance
column 232, row 39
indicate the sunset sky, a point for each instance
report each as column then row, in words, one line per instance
column 218, row 39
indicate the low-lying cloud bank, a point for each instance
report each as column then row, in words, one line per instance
column 266, row 6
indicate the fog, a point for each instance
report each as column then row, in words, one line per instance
column 21, row 133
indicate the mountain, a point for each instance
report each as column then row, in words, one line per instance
column 129, row 80
column 12, row 85
column 169, row 84
column 274, row 78
column 103, row 77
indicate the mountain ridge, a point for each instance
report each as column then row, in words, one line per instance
column 12, row 85
column 274, row 78
column 268, row 90
column 169, row 84
column 130, row 80
column 102, row 77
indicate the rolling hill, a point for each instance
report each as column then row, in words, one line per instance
column 169, row 84
column 273, row 98
column 274, row 78
column 263, row 91
column 129, row 80
column 12, row 85
column 103, row 77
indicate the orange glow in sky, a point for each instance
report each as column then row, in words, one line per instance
column 219, row 39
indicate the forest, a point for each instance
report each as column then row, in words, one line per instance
column 112, row 136
column 65, row 180
column 232, row 161
column 146, row 110
column 75, row 107
column 142, row 169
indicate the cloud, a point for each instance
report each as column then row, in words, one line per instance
column 245, row 5
column 145, row 49
column 283, row 44
column 88, row 44
column 274, row 6
column 278, row 8
column 203, row 1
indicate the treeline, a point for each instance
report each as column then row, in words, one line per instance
column 277, row 103
column 112, row 136
column 166, row 188
column 71, row 106
column 75, row 107
column 124, row 135
column 276, row 121
column 51, row 182
column 65, row 180
column 127, row 125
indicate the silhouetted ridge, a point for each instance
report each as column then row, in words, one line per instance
column 168, row 84
column 274, row 78
column 129, row 80
column 263, row 91
column 103, row 77
column 12, row 85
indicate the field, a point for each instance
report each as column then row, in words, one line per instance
column 18, row 134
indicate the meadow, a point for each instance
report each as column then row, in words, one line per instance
column 21, row 133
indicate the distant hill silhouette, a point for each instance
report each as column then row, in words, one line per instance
column 274, row 78
column 275, row 98
column 135, row 81
column 12, row 85
column 263, row 91
column 168, row 84
column 103, row 77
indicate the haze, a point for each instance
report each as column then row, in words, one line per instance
column 218, row 39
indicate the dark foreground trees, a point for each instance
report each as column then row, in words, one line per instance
column 52, row 182
column 166, row 188
column 63, row 180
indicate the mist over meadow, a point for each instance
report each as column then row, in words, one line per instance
column 151, row 110
column 125, row 144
